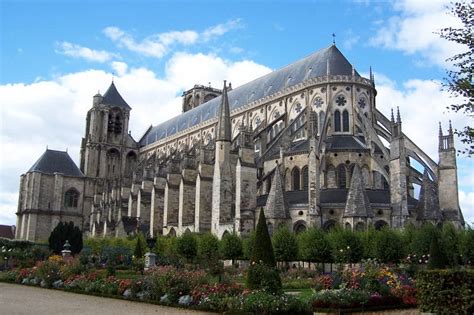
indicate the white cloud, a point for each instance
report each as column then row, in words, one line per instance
column 52, row 112
column 413, row 30
column 466, row 201
column 157, row 45
column 221, row 29
column 77, row 51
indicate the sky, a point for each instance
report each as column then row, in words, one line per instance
column 55, row 55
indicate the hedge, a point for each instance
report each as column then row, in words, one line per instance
column 446, row 291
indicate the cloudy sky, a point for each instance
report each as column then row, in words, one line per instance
column 56, row 56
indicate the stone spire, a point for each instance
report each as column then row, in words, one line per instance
column 428, row 205
column 276, row 207
column 357, row 204
column 223, row 125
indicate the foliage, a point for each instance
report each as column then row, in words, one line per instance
column 231, row 246
column 215, row 297
column 208, row 246
column 437, row 259
column 314, row 246
column 460, row 80
column 388, row 246
column 48, row 271
column 340, row 298
column 467, row 247
column 262, row 302
column 247, row 244
column 262, row 277
column 262, row 249
column 368, row 242
column 172, row 281
column 421, row 239
column 285, row 244
column 450, row 244
column 140, row 247
column 446, row 291
column 65, row 232
column 186, row 246
column 346, row 246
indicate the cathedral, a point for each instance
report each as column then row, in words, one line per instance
column 306, row 144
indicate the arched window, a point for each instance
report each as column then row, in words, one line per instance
column 345, row 121
column 304, row 172
column 270, row 228
column 337, row 121
column 331, row 177
column 341, row 176
column 329, row 225
column 295, row 174
column 71, row 198
column 380, row 224
column 299, row 227
column 130, row 163
column 348, row 226
column 113, row 163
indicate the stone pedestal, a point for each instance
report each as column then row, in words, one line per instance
column 66, row 253
column 150, row 260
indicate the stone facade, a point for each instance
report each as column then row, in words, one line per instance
column 303, row 143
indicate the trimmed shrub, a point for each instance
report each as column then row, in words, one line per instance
column 446, row 291
column 314, row 246
column 285, row 244
column 208, row 246
column 450, row 244
column 346, row 246
column 421, row 239
column 231, row 247
column 139, row 250
column 186, row 246
column 467, row 247
column 262, row 249
column 65, row 232
column 388, row 246
column 437, row 259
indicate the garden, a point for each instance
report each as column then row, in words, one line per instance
column 428, row 268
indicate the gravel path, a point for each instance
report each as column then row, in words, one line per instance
column 21, row 299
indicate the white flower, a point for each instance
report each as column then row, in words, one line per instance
column 348, row 247
column 341, row 250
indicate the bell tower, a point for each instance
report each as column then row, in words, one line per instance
column 106, row 136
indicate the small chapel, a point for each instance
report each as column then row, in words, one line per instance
column 306, row 144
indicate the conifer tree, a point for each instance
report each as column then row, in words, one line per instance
column 262, row 249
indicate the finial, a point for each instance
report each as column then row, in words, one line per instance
column 209, row 83
column 450, row 128
column 399, row 120
column 393, row 119
column 66, row 150
column 334, row 39
column 225, row 84
column 370, row 73
column 440, row 130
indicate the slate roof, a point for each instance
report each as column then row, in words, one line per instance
column 53, row 161
column 113, row 97
column 340, row 142
column 7, row 231
column 335, row 195
column 314, row 65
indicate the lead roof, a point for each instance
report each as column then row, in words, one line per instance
column 312, row 66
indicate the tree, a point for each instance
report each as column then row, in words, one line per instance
column 389, row 246
column 262, row 249
column 450, row 244
column 208, row 247
column 262, row 273
column 231, row 246
column 139, row 247
column 314, row 246
column 65, row 232
column 437, row 259
column 460, row 80
column 346, row 246
column 285, row 245
column 186, row 246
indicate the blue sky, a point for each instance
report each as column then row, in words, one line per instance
column 55, row 56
